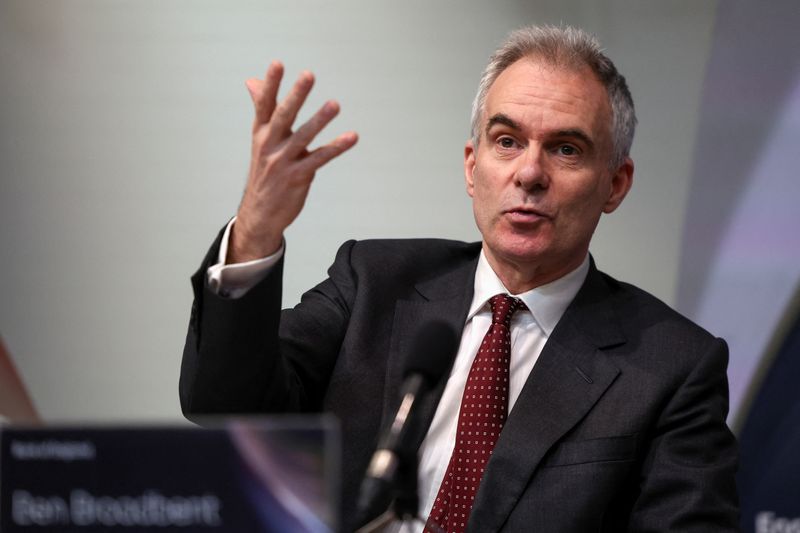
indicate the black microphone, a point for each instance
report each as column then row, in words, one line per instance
column 430, row 356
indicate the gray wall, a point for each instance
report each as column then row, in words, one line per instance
column 124, row 144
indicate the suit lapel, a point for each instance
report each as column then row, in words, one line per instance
column 569, row 377
column 446, row 299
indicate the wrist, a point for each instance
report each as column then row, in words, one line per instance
column 247, row 245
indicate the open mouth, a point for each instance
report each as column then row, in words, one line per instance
column 524, row 215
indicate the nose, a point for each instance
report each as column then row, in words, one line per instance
column 531, row 173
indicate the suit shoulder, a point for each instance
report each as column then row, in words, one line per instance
column 647, row 338
column 648, row 312
column 414, row 246
column 395, row 265
column 415, row 253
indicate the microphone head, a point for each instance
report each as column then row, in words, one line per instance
column 432, row 350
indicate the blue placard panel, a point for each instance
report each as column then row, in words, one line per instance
column 259, row 476
column 769, row 474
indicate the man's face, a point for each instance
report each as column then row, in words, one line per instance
column 540, row 176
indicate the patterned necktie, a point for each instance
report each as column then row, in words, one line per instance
column 484, row 407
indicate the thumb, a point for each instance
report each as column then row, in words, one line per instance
column 255, row 87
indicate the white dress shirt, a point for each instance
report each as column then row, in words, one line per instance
column 233, row 281
column 530, row 329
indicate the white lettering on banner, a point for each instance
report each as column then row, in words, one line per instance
column 58, row 450
column 767, row 522
column 30, row 510
column 150, row 509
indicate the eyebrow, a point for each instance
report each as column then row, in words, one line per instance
column 505, row 120
column 576, row 134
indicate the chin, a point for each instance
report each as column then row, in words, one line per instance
column 522, row 250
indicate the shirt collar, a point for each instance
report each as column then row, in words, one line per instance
column 547, row 303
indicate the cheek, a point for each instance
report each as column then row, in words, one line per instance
column 583, row 211
column 485, row 199
column 481, row 191
column 479, row 207
column 588, row 195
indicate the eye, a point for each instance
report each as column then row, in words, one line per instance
column 506, row 142
column 567, row 149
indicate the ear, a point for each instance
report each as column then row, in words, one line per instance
column 621, row 182
column 469, row 166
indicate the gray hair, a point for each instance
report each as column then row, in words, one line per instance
column 564, row 47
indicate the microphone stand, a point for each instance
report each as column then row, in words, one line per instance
column 392, row 471
column 378, row 523
column 406, row 499
column 405, row 505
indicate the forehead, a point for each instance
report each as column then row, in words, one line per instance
column 541, row 96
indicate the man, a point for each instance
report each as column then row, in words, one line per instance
column 615, row 404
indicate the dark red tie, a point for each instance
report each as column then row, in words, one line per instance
column 484, row 407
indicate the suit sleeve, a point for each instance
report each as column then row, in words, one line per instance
column 245, row 355
column 687, row 482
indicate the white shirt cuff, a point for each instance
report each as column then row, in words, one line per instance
column 233, row 281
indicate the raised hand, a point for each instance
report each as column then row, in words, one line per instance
column 281, row 166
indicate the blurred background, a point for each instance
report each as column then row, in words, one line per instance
column 124, row 144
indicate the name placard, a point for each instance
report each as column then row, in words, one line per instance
column 259, row 475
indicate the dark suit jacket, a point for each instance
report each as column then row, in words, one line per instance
column 620, row 426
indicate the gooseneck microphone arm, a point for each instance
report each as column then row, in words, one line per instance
column 383, row 469
column 393, row 468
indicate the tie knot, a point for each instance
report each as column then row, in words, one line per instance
column 503, row 307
